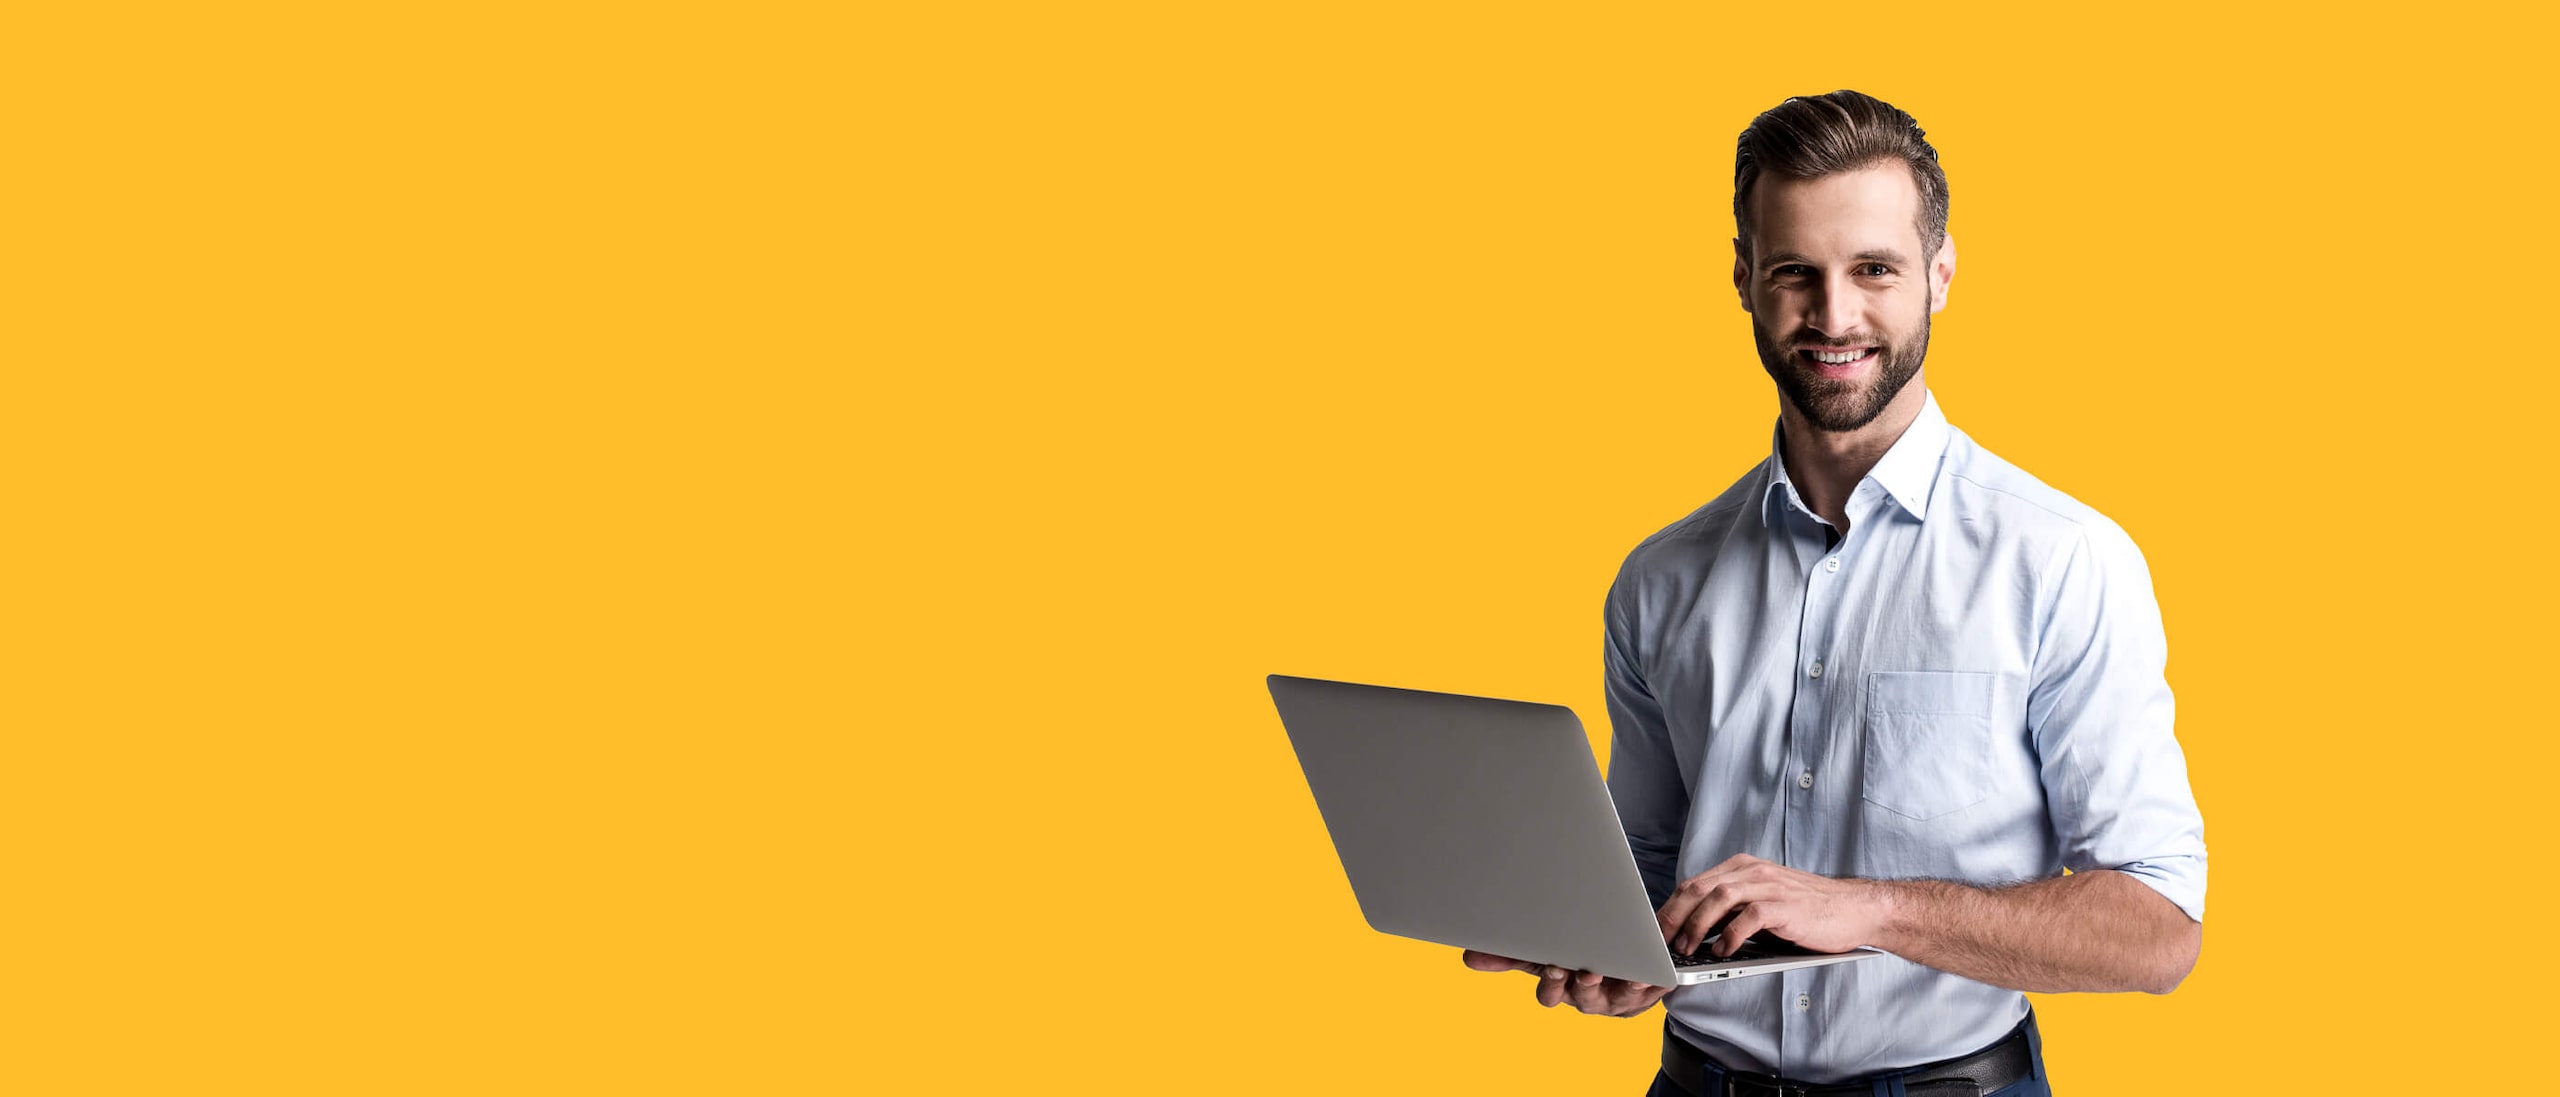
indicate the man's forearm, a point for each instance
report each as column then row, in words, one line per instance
column 2089, row 931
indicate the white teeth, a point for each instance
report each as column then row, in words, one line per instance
column 1841, row 359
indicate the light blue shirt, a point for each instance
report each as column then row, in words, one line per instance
column 1967, row 687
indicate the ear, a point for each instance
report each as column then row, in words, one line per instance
column 1942, row 273
column 1742, row 272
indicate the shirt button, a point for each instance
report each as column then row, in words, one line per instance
column 1832, row 564
column 1817, row 668
column 1805, row 781
column 1804, row 1002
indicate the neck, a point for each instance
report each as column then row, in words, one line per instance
column 1826, row 465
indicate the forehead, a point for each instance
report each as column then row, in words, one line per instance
column 1837, row 215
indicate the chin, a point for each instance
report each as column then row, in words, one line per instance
column 1825, row 405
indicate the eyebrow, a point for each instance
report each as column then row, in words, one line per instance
column 1881, row 255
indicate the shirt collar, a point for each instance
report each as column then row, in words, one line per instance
column 1906, row 472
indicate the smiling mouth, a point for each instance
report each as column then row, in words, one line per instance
column 1849, row 356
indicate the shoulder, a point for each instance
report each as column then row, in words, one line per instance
column 1679, row 554
column 1983, row 489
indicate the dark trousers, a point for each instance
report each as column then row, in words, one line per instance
column 2033, row 1085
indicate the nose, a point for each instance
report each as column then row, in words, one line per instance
column 1833, row 309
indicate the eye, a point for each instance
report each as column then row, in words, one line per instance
column 1791, row 270
column 1875, row 270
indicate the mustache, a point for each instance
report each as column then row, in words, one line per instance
column 1837, row 344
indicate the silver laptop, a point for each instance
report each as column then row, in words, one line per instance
column 1485, row 824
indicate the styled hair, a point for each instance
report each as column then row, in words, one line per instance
column 1809, row 137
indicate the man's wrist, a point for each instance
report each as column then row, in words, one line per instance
column 1893, row 903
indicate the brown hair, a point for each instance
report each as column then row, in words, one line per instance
column 1809, row 137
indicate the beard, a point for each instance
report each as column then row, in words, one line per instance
column 1838, row 406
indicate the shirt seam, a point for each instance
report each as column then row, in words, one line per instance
column 2078, row 521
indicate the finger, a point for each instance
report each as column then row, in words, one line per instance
column 1684, row 902
column 1486, row 961
column 1704, row 928
column 1584, row 996
column 1723, row 926
column 1674, row 911
column 1608, row 998
column 1589, row 992
column 1551, row 987
column 1747, row 920
column 1624, row 997
column 1714, row 904
column 1593, row 993
column 1685, row 899
column 1640, row 998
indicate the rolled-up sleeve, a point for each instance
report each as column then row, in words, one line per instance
column 2102, row 717
column 1644, row 776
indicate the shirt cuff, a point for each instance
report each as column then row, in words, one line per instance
column 2178, row 879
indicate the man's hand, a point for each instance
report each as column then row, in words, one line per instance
column 1818, row 912
column 1588, row 991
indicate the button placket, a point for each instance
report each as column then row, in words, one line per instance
column 1806, row 710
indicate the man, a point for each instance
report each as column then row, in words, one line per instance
column 1886, row 688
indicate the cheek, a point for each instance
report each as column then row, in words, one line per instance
column 1881, row 313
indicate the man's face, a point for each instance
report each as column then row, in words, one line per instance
column 1833, row 271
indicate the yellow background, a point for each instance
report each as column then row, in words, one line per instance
column 734, row 548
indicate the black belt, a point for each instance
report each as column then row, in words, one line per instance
column 2002, row 1064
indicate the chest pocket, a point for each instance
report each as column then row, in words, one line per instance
column 1928, row 748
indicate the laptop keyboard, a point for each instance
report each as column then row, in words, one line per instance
column 1761, row 946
